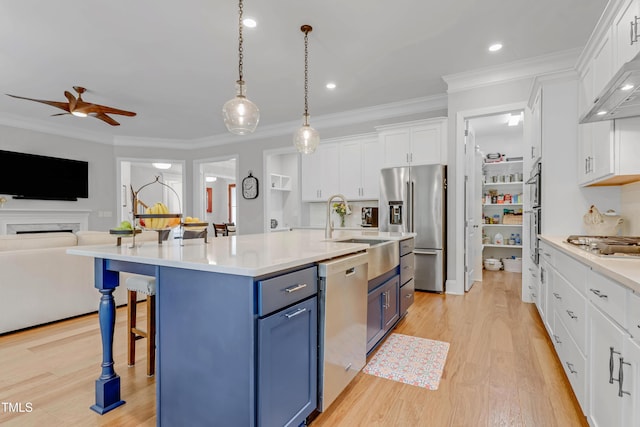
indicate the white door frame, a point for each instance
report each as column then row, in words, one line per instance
column 457, row 286
column 198, row 181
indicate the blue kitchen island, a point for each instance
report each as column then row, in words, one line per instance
column 236, row 325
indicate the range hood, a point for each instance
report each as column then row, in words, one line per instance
column 620, row 98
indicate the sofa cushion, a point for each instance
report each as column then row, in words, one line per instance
column 89, row 237
column 15, row 242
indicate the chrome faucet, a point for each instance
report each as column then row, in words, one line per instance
column 329, row 228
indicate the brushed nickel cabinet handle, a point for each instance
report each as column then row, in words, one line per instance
column 621, row 392
column 571, row 315
column 557, row 295
column 295, row 288
column 570, row 366
column 557, row 338
column 295, row 313
column 611, row 353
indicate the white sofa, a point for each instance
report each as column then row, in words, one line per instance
column 41, row 283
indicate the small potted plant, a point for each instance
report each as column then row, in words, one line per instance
column 341, row 209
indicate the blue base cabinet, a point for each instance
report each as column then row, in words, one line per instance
column 235, row 350
column 382, row 308
column 287, row 365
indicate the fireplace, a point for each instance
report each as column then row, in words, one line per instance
column 19, row 221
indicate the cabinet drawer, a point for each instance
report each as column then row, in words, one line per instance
column 573, row 362
column 407, row 292
column 609, row 297
column 633, row 316
column 572, row 270
column 406, row 246
column 548, row 254
column 571, row 307
column 281, row 291
column 407, row 267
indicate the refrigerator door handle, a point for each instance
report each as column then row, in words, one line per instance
column 409, row 208
column 412, row 213
column 421, row 252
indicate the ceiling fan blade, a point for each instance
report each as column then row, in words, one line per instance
column 72, row 100
column 106, row 119
column 61, row 105
column 60, row 114
column 96, row 108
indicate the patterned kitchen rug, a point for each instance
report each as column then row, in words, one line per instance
column 410, row 360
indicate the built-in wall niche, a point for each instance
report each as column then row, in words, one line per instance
column 282, row 195
column 136, row 173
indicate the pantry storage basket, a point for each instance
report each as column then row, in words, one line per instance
column 513, row 265
column 512, row 219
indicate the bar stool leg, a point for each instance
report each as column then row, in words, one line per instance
column 151, row 335
column 131, row 324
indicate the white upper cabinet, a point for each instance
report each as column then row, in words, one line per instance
column 321, row 173
column 625, row 33
column 360, row 168
column 536, row 128
column 414, row 143
column 602, row 64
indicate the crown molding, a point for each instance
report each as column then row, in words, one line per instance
column 378, row 112
column 53, row 129
column 541, row 80
column 602, row 26
column 517, row 70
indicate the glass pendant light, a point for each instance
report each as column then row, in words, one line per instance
column 240, row 115
column 306, row 139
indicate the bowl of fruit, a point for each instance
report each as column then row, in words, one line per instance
column 157, row 217
column 194, row 224
column 125, row 229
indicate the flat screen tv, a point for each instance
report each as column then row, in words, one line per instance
column 30, row 176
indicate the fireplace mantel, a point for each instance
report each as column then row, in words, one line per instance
column 39, row 219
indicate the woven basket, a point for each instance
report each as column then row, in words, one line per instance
column 511, row 219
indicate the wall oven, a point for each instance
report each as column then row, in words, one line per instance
column 535, row 204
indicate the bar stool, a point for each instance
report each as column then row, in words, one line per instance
column 147, row 286
column 219, row 230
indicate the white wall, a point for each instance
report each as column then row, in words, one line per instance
column 102, row 198
column 630, row 209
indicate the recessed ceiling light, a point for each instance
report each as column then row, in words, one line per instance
column 249, row 22
column 211, row 179
column 331, row 85
column 514, row 119
column 601, row 113
column 161, row 165
column 79, row 114
column 626, row 87
column 495, row 47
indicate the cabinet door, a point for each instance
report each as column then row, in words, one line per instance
column 602, row 63
column 374, row 316
column 351, row 169
column 536, row 132
column 426, row 144
column 585, row 90
column 396, row 146
column 321, row 173
column 391, row 312
column 312, row 174
column 625, row 31
column 330, row 173
column 584, row 153
column 602, row 148
column 605, row 346
column 287, row 365
column 371, row 164
column 630, row 386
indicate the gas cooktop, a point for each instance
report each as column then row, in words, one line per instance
column 610, row 246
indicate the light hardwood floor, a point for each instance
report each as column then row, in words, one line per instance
column 501, row 370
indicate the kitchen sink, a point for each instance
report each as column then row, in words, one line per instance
column 383, row 255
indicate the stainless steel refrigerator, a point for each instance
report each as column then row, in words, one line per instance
column 414, row 199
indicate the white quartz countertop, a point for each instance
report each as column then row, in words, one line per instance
column 244, row 255
column 623, row 270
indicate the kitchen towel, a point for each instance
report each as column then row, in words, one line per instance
column 410, row 360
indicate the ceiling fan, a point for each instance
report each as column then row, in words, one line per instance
column 80, row 108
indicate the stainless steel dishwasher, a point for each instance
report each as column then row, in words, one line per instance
column 342, row 324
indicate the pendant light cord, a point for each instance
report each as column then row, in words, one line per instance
column 240, row 41
column 306, row 30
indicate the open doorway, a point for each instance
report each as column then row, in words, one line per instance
column 494, row 199
column 136, row 173
column 215, row 190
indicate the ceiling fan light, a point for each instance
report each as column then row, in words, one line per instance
column 79, row 114
column 241, row 116
column 306, row 139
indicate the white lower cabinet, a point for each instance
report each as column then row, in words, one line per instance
column 605, row 354
column 594, row 324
